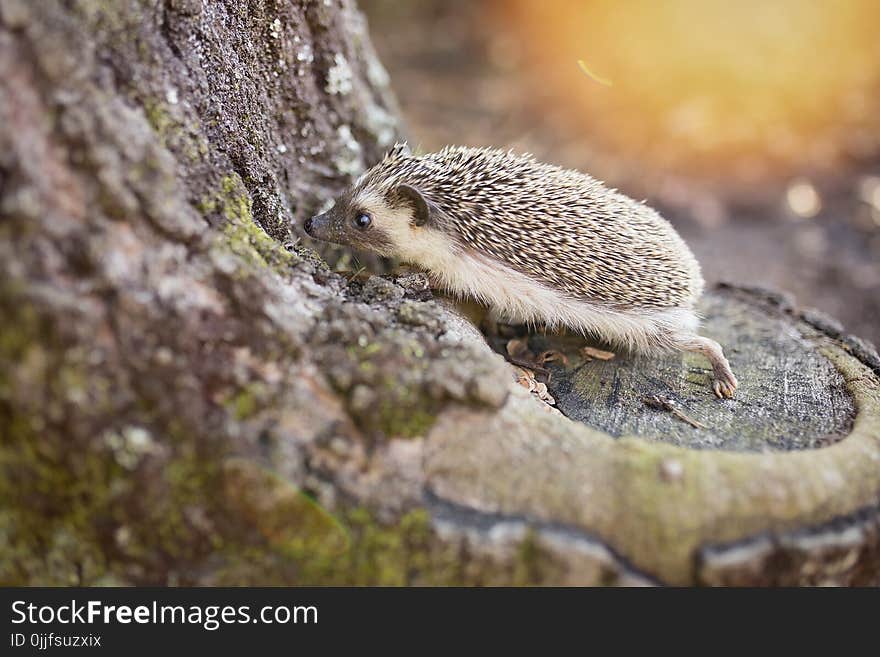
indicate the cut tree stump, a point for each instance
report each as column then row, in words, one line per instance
column 779, row 486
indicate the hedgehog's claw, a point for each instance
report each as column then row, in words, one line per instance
column 724, row 385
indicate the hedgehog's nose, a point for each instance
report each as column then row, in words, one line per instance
column 307, row 226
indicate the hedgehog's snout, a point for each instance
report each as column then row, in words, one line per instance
column 318, row 226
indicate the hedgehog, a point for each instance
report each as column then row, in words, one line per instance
column 535, row 243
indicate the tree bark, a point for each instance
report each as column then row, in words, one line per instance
column 189, row 396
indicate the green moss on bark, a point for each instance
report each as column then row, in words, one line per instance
column 239, row 232
column 175, row 134
column 385, row 401
column 90, row 520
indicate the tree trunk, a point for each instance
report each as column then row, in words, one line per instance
column 188, row 395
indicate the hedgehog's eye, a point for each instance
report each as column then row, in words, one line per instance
column 362, row 221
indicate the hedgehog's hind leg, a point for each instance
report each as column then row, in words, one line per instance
column 724, row 383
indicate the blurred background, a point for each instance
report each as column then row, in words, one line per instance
column 754, row 127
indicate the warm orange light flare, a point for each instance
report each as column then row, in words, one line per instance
column 746, row 88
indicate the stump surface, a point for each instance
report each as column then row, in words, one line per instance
column 790, row 396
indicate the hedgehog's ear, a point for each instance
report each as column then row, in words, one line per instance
column 422, row 209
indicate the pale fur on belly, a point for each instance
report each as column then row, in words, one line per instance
column 517, row 298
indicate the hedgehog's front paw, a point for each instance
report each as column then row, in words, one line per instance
column 724, row 385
